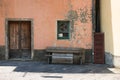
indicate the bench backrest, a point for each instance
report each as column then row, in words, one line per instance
column 64, row 49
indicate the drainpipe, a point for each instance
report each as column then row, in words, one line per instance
column 97, row 18
column 99, row 52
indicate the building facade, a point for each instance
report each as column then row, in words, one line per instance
column 28, row 27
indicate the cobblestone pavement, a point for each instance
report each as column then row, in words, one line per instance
column 29, row 70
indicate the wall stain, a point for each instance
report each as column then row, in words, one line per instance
column 72, row 15
column 85, row 15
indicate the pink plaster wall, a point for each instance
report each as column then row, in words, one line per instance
column 45, row 14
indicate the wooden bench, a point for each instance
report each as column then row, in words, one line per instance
column 78, row 53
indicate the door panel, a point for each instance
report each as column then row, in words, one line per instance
column 14, row 49
column 25, row 39
column 25, row 35
column 14, row 35
column 20, row 39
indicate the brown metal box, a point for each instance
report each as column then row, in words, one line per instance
column 99, row 56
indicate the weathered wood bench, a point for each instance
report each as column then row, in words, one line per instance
column 78, row 53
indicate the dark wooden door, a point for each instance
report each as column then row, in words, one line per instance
column 20, row 39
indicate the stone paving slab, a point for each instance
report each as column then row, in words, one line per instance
column 29, row 70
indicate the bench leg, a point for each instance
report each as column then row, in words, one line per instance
column 81, row 60
column 50, row 58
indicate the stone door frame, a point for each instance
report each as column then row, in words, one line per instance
column 7, row 35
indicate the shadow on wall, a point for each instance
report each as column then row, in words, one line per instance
column 30, row 66
column 109, row 58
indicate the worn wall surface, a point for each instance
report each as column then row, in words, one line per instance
column 45, row 14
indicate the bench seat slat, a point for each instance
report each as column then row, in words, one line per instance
column 61, row 51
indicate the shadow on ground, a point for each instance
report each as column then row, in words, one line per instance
column 30, row 66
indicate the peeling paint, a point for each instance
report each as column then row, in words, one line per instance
column 72, row 15
column 80, row 32
column 84, row 15
column 80, row 18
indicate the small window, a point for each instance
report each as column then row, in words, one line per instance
column 63, row 29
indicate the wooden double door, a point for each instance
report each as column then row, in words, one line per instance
column 19, row 33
